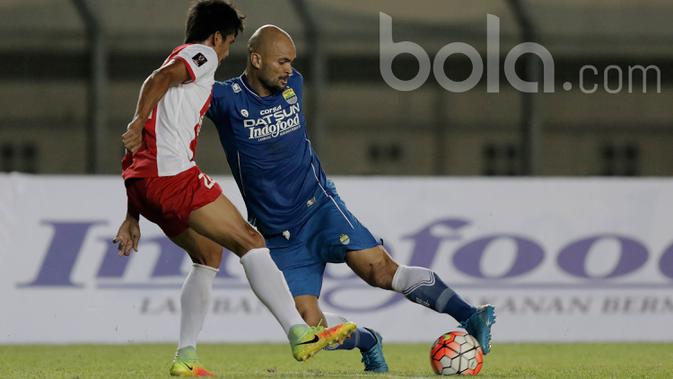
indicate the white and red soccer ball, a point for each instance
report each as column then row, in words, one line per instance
column 456, row 353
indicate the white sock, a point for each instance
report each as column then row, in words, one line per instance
column 194, row 302
column 268, row 283
column 408, row 277
column 333, row 319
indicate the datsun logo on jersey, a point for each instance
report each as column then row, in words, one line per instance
column 273, row 122
column 523, row 270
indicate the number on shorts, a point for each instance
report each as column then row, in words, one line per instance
column 207, row 180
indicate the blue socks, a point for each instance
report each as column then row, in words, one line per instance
column 424, row 287
column 361, row 338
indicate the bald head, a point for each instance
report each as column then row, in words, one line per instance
column 268, row 37
column 271, row 52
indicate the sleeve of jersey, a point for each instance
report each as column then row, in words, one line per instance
column 200, row 60
column 218, row 105
column 297, row 81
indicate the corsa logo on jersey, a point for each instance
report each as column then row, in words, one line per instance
column 273, row 122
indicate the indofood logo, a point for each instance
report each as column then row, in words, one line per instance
column 528, row 259
column 273, row 122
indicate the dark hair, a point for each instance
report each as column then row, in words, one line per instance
column 206, row 17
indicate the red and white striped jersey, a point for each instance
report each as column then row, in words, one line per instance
column 170, row 134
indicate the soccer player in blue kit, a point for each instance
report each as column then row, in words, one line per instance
column 261, row 125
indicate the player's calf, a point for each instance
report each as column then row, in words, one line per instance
column 374, row 266
column 309, row 310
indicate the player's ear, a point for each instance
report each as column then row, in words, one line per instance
column 256, row 60
column 217, row 38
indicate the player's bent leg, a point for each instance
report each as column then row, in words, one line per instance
column 268, row 283
column 418, row 284
column 424, row 287
column 195, row 300
column 221, row 222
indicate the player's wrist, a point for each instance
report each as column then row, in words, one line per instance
column 132, row 216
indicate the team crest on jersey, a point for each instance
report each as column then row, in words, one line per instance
column 290, row 96
column 244, row 113
column 344, row 239
column 199, row 59
column 236, row 88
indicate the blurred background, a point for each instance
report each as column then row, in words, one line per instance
column 71, row 70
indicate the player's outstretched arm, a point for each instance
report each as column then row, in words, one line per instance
column 153, row 89
column 128, row 235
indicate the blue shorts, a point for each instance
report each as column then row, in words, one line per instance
column 326, row 237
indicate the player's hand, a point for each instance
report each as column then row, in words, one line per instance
column 128, row 236
column 133, row 137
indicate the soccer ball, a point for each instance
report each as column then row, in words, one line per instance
column 456, row 353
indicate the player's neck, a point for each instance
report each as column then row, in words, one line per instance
column 256, row 85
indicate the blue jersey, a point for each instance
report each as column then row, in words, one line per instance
column 269, row 153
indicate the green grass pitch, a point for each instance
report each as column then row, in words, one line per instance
column 634, row 360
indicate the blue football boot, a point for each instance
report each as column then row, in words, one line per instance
column 479, row 326
column 373, row 358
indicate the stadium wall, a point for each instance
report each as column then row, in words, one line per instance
column 562, row 259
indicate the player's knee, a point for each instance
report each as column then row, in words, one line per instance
column 245, row 239
column 251, row 239
column 256, row 239
column 209, row 257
